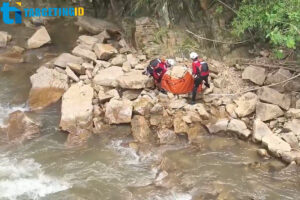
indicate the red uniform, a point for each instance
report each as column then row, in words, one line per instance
column 197, row 64
column 159, row 70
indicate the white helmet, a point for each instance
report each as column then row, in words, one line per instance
column 193, row 55
column 171, row 62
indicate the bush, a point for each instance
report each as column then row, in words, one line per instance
column 275, row 21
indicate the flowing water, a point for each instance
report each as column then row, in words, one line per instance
column 44, row 168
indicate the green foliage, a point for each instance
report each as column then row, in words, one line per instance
column 219, row 10
column 277, row 21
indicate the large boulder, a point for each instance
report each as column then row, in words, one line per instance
column 260, row 129
column 95, row 26
column 84, row 53
column 282, row 75
column 239, row 127
column 87, row 42
column 276, row 145
column 63, row 59
column 109, row 76
column 246, row 104
column 118, row 111
column 266, row 112
column 77, row 108
column 48, row 85
column 140, row 130
column 21, row 127
column 4, row 38
column 39, row 38
column 134, row 80
column 255, row 74
column 104, row 51
column 293, row 126
column 272, row 96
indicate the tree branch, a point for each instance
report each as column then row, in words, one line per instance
column 216, row 41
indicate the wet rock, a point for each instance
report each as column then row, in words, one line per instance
column 276, row 145
column 21, row 127
column 87, row 42
column 270, row 95
column 72, row 75
column 84, row 53
column 246, row 104
column 195, row 133
column 131, row 94
column 63, row 59
column 4, row 38
column 104, row 51
column 291, row 139
column 77, row 68
column 109, row 76
column 293, row 113
column 219, row 126
column 267, row 112
column 260, row 129
column 134, row 80
column 95, row 26
column 75, row 118
column 167, row 136
column 142, row 106
column 255, row 74
column 263, row 153
column 291, row 156
column 118, row 111
column 79, row 138
column 39, row 38
column 12, row 56
column 118, row 60
column 48, row 85
column 239, row 127
column 140, row 130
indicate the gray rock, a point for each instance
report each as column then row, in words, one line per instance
column 132, row 60
column 72, row 75
column 87, row 42
column 293, row 113
column 293, row 126
column 84, row 53
column 267, row 112
column 118, row 111
column 63, row 59
column 109, row 76
column 4, row 38
column 255, row 74
column 260, row 129
column 140, row 130
column 246, row 104
column 239, row 127
column 118, row 60
column 131, row 94
column 219, row 126
column 167, row 136
column 39, row 38
column 298, row 104
column 95, row 25
column 276, row 145
column 134, row 80
column 142, row 106
column 272, row 96
column 104, row 51
column 291, row 139
column 77, row 68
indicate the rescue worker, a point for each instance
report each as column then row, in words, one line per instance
column 157, row 68
column 200, row 74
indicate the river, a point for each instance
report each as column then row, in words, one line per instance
column 44, row 168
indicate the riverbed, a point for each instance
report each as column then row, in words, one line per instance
column 105, row 168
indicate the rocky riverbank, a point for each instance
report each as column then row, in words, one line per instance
column 101, row 84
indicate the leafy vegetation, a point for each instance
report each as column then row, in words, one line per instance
column 275, row 21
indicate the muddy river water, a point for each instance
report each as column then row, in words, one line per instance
column 44, row 168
